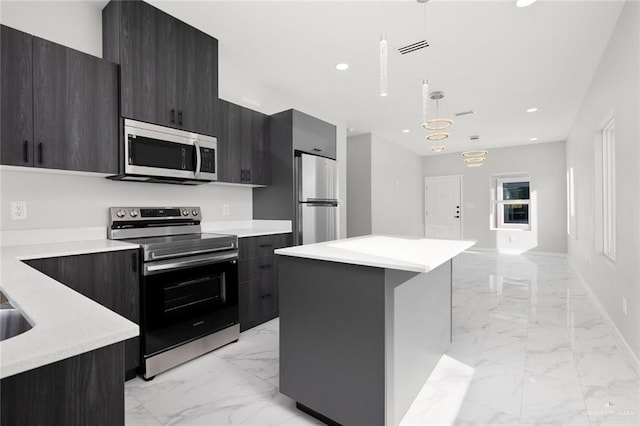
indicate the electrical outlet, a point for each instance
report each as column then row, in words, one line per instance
column 511, row 238
column 624, row 305
column 18, row 210
column 225, row 210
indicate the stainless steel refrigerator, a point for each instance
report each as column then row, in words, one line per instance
column 317, row 199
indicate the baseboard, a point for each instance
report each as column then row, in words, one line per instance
column 623, row 345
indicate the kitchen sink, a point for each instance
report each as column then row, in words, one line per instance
column 12, row 322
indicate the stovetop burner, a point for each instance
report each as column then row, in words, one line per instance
column 166, row 232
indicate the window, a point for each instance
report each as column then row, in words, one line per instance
column 609, row 190
column 512, row 202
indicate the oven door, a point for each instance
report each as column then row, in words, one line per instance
column 186, row 298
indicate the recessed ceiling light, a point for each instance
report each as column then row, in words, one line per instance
column 525, row 3
column 406, row 131
column 342, row 67
column 533, row 139
column 532, row 110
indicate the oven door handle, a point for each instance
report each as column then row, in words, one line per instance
column 190, row 253
column 166, row 266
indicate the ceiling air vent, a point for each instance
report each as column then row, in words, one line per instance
column 413, row 47
column 474, row 137
column 463, row 113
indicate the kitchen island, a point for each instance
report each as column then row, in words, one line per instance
column 363, row 322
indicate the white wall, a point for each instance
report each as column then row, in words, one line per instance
column 384, row 187
column 544, row 162
column 65, row 200
column 75, row 24
column 359, row 185
column 614, row 88
column 397, row 198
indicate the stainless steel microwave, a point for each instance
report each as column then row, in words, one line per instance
column 161, row 154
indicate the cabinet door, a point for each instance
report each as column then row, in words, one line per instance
column 313, row 135
column 198, row 82
column 110, row 279
column 261, row 156
column 230, row 144
column 149, row 44
column 16, row 101
column 75, row 107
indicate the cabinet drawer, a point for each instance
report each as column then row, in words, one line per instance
column 263, row 245
column 256, row 267
column 258, row 302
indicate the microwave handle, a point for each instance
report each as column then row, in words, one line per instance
column 196, row 143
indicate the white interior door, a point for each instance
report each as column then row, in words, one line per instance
column 443, row 202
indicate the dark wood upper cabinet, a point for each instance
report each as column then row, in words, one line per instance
column 16, row 145
column 59, row 106
column 243, row 145
column 75, row 109
column 168, row 70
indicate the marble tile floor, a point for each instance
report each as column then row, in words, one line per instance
column 529, row 348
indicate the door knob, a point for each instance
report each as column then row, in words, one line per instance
column 458, row 216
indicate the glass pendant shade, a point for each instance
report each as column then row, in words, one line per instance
column 440, row 136
column 437, row 148
column 475, row 153
column 383, row 66
column 425, row 101
column 474, row 165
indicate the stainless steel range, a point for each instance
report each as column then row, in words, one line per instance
column 188, row 283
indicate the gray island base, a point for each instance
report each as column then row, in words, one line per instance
column 358, row 342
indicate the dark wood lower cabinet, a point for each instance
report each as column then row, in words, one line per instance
column 86, row 389
column 109, row 278
column 258, row 276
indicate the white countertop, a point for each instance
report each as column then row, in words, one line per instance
column 248, row 228
column 65, row 322
column 380, row 251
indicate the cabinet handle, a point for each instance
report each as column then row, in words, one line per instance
column 173, row 115
column 25, row 151
column 242, row 175
column 265, row 266
column 40, row 153
column 265, row 245
column 316, row 150
column 180, row 118
column 248, row 175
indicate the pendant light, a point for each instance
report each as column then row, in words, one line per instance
column 425, row 101
column 438, row 121
column 383, row 66
column 474, row 158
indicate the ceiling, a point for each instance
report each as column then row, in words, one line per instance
column 488, row 56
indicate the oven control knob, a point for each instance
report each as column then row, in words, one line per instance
column 133, row 213
column 185, row 212
column 194, row 212
column 120, row 213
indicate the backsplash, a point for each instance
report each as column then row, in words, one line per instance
column 70, row 199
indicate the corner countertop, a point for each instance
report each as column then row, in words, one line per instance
column 65, row 323
column 383, row 251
